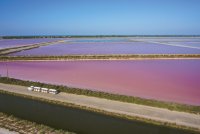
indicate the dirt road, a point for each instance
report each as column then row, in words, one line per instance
column 157, row 114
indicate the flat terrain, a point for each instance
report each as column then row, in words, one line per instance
column 165, row 80
column 101, row 57
column 13, row 125
column 116, row 46
column 6, row 131
column 157, row 114
column 25, row 47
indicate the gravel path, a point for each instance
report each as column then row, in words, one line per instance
column 157, row 114
column 5, row 131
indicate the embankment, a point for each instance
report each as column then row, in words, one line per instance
column 157, row 116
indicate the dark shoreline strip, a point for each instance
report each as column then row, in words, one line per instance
column 92, row 36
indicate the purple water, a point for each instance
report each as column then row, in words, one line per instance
column 193, row 44
column 107, row 48
column 103, row 40
column 7, row 43
column 166, row 39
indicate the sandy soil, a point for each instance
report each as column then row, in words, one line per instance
column 25, row 47
column 5, row 131
column 157, row 114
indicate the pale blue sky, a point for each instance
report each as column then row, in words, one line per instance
column 102, row 17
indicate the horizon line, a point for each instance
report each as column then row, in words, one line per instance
column 106, row 35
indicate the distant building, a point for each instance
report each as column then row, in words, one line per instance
column 43, row 90
column 37, row 89
column 53, row 91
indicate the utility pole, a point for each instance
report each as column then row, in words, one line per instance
column 6, row 70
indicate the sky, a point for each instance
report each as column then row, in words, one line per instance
column 99, row 17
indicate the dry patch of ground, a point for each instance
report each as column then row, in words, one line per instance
column 25, row 47
column 123, row 108
column 12, row 125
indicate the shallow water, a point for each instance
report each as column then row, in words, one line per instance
column 167, row 80
column 107, row 48
column 7, row 43
column 193, row 44
column 117, row 45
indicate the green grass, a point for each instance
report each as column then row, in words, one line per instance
column 117, row 97
column 115, row 115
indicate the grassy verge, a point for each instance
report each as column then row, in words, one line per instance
column 117, row 97
column 23, row 126
column 122, row 116
column 114, row 56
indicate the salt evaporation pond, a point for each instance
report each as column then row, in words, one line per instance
column 192, row 44
column 7, row 43
column 107, row 48
column 167, row 80
column 105, row 39
column 166, row 39
column 118, row 45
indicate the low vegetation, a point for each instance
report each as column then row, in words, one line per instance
column 106, row 57
column 92, row 36
column 26, row 127
column 115, row 115
column 123, row 98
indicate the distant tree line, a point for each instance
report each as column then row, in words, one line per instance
column 90, row 36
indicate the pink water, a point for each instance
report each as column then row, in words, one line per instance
column 167, row 80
